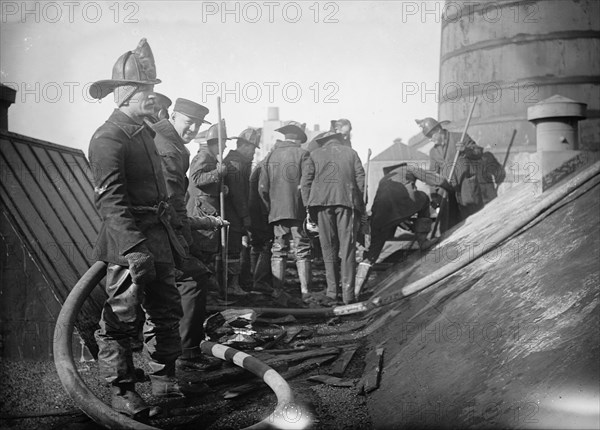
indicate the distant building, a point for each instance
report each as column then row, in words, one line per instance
column 270, row 136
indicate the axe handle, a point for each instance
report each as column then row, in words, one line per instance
column 365, row 195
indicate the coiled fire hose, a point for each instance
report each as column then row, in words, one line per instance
column 286, row 413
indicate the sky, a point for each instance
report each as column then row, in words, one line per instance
column 368, row 61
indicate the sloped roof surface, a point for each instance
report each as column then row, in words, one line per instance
column 46, row 196
column 509, row 340
column 400, row 151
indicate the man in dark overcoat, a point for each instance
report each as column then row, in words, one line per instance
column 136, row 239
column 172, row 136
column 239, row 165
column 284, row 190
column 336, row 202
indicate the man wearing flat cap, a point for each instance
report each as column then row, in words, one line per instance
column 343, row 126
column 284, row 188
column 171, row 137
column 137, row 239
column 239, row 167
column 336, row 203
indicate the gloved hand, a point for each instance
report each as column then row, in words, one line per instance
column 141, row 264
column 460, row 146
column 436, row 200
column 220, row 222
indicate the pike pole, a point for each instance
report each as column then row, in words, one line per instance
column 222, row 202
column 366, row 198
column 449, row 178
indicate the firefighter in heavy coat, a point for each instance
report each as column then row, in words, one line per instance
column 336, row 203
column 261, row 235
column 137, row 239
column 472, row 178
column 172, row 136
column 239, row 166
column 206, row 174
column 396, row 201
column 284, row 190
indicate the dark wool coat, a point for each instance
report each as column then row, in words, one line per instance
column 339, row 178
column 204, row 183
column 284, row 184
column 397, row 197
column 259, row 217
column 238, row 182
column 175, row 163
column 127, row 173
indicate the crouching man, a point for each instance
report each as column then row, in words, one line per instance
column 396, row 201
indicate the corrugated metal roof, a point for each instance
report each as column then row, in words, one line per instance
column 46, row 196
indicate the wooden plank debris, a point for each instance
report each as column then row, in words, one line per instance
column 334, row 381
column 372, row 375
column 339, row 366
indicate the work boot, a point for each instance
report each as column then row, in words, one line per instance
column 127, row 401
column 168, row 386
column 234, row 269
column 422, row 227
column 201, row 363
column 233, row 286
column 278, row 270
column 362, row 274
column 304, row 274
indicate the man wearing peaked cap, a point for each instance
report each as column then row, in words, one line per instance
column 239, row 166
column 171, row 137
column 137, row 239
column 336, row 203
column 284, row 189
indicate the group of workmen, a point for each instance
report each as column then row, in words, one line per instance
column 161, row 235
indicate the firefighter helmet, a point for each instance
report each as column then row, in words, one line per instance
column 429, row 125
column 132, row 68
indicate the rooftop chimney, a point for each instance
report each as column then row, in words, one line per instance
column 7, row 97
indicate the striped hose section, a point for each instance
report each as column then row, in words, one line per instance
column 287, row 413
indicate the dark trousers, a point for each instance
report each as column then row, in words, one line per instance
column 161, row 304
column 338, row 228
column 289, row 237
column 193, row 302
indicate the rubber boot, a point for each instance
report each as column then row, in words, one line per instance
column 233, row 278
column 127, row 401
column 362, row 274
column 422, row 227
column 305, row 275
column 278, row 271
column 262, row 273
column 347, row 293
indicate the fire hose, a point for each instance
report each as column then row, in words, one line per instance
column 102, row 414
